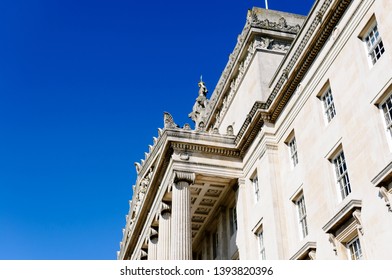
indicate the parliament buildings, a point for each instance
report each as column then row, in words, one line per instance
column 289, row 158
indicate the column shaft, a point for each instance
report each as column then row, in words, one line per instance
column 164, row 235
column 181, row 241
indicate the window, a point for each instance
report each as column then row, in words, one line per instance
column 342, row 175
column 303, row 225
column 345, row 229
column 386, row 108
column 374, row 44
column 354, row 249
column 293, row 151
column 233, row 220
column 328, row 104
column 260, row 238
column 255, row 183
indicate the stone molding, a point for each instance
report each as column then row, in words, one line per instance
column 343, row 223
column 252, row 22
column 342, row 215
column 385, row 195
column 206, row 149
column 301, row 63
column 382, row 180
column 308, row 249
column 280, row 26
column 259, row 43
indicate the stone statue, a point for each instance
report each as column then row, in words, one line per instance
column 200, row 105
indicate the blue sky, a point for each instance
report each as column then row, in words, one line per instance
column 83, row 88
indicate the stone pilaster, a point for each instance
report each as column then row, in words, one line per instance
column 153, row 245
column 164, row 233
column 243, row 233
column 181, row 226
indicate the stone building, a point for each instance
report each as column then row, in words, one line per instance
column 291, row 156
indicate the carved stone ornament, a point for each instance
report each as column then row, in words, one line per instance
column 201, row 126
column 169, row 121
column 357, row 217
column 199, row 108
column 138, row 167
column 312, row 254
column 384, row 193
column 184, row 156
column 281, row 25
column 230, row 130
column 332, row 240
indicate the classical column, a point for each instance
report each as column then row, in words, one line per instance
column 153, row 245
column 164, row 233
column 181, row 226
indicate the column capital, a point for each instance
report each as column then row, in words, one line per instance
column 180, row 176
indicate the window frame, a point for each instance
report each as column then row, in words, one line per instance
column 341, row 174
column 302, row 216
column 261, row 244
column 387, row 115
column 329, row 110
column 352, row 250
column 256, row 187
column 293, row 151
column 373, row 42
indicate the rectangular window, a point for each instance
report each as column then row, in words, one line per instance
column 303, row 225
column 255, row 183
column 342, row 175
column 260, row 238
column 233, row 220
column 354, row 248
column 328, row 104
column 374, row 44
column 386, row 108
column 293, row 151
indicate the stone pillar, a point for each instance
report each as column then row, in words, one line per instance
column 244, row 235
column 153, row 245
column 164, row 233
column 181, row 226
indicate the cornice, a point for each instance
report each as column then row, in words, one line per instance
column 291, row 76
column 305, row 53
column 228, row 152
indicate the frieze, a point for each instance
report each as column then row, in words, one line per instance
column 281, row 25
column 142, row 190
column 205, row 149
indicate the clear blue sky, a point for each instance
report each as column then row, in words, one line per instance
column 83, row 88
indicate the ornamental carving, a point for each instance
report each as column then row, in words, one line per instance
column 385, row 194
column 281, row 25
column 142, row 190
column 168, row 121
column 199, row 108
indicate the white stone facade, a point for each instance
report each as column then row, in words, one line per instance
column 291, row 156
